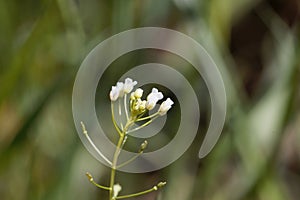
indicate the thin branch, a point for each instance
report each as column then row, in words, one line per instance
column 92, row 143
column 124, row 141
column 120, row 114
column 113, row 119
column 142, row 126
column 130, row 160
column 148, row 117
column 155, row 188
column 125, row 106
column 91, row 179
column 120, row 110
column 140, row 152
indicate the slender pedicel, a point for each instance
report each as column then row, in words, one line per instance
column 140, row 152
column 113, row 119
column 142, row 126
column 148, row 117
column 92, row 143
column 125, row 106
column 154, row 188
column 91, row 179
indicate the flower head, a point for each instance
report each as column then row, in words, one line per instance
column 121, row 88
column 153, row 98
column 137, row 105
column 165, row 106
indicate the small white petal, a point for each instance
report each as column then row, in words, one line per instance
column 165, row 106
column 153, row 98
column 120, row 87
column 114, row 93
column 155, row 94
column 150, row 104
column 129, row 84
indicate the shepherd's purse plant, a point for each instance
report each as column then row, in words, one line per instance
column 135, row 110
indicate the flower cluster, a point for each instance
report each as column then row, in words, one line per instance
column 121, row 88
column 137, row 105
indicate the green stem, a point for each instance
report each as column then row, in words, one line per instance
column 120, row 113
column 115, row 158
column 91, row 179
column 125, row 106
column 113, row 119
column 142, row 126
column 130, row 160
column 148, row 117
column 92, row 143
column 138, row 193
column 113, row 169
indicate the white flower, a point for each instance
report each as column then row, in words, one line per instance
column 165, row 106
column 128, row 86
column 117, row 188
column 138, row 93
column 120, row 87
column 153, row 98
column 114, row 93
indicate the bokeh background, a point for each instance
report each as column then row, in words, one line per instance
column 255, row 45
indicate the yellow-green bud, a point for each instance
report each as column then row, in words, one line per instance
column 143, row 146
column 138, row 93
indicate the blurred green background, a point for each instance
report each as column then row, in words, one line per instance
column 255, row 45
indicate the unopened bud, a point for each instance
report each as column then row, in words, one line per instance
column 161, row 184
column 143, row 146
column 89, row 176
column 138, row 93
column 83, row 128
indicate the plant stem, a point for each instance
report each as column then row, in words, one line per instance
column 92, row 143
column 113, row 119
column 130, row 160
column 91, row 179
column 148, row 117
column 138, row 194
column 142, row 126
column 115, row 158
column 114, row 163
column 125, row 106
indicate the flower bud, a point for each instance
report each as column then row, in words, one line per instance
column 143, row 146
column 138, row 93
